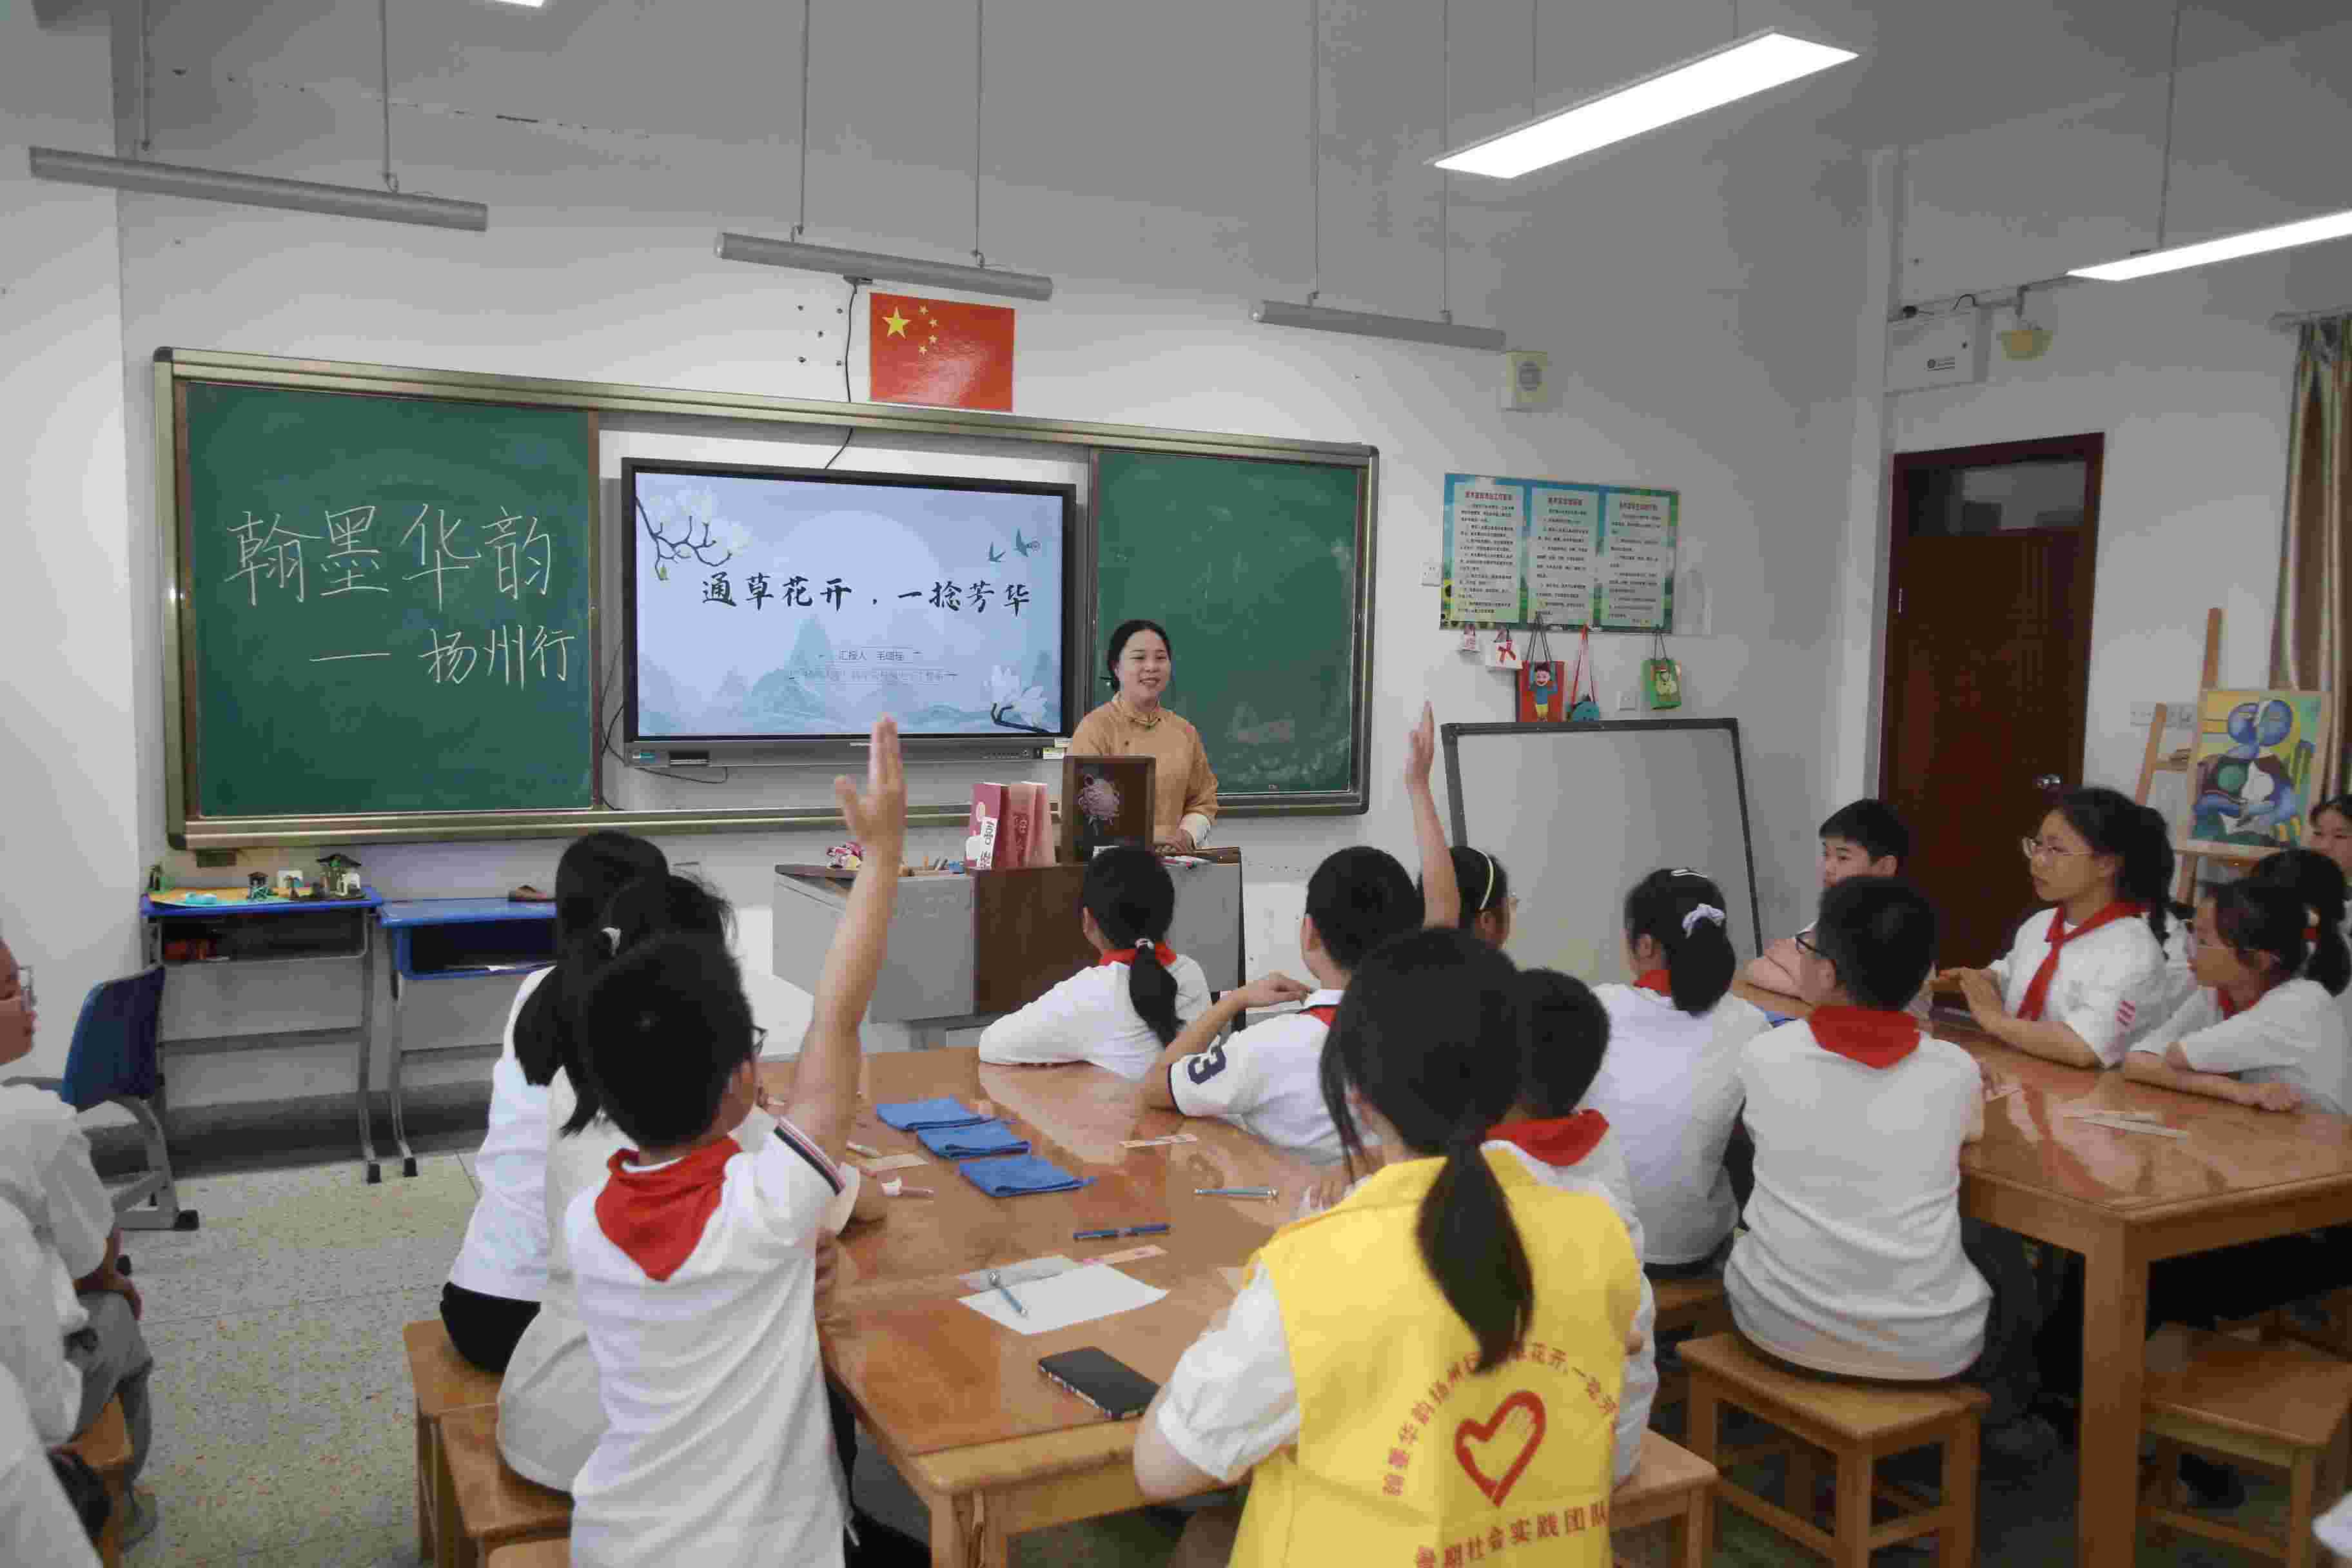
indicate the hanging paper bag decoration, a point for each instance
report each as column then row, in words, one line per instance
column 1582, row 707
column 1543, row 684
column 1662, row 678
column 1503, row 656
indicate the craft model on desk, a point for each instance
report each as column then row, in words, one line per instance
column 341, row 879
column 256, row 886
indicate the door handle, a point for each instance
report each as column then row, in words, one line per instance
column 2048, row 783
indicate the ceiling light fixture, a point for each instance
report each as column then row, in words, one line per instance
column 874, row 266
column 390, row 205
column 1757, row 63
column 1445, row 331
column 2161, row 257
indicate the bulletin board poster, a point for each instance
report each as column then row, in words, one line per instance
column 1551, row 553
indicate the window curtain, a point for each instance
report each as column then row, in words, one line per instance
column 2311, row 647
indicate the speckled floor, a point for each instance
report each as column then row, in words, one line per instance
column 281, row 1397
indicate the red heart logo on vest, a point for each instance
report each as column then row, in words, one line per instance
column 1516, row 1429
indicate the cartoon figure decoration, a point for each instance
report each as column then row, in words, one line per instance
column 339, row 875
column 256, row 886
column 2250, row 775
column 1542, row 691
column 1505, row 654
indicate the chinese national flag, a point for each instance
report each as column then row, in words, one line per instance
column 941, row 352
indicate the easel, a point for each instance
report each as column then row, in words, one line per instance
column 2154, row 761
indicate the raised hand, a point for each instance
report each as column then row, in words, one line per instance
column 1421, row 748
column 877, row 815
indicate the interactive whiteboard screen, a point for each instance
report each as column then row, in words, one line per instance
column 1578, row 814
column 798, row 604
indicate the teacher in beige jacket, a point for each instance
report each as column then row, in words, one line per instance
column 1134, row 724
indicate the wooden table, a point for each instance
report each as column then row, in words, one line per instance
column 2125, row 1200
column 955, row 1401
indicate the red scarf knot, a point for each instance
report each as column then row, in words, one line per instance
column 1127, row 955
column 1866, row 1035
column 2037, row 993
column 1656, row 980
column 657, row 1216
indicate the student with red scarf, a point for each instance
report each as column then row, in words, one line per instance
column 2084, row 977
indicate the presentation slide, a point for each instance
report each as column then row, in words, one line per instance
column 780, row 604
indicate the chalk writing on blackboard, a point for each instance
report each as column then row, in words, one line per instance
column 525, row 557
column 546, row 654
column 436, row 548
column 351, row 556
column 339, row 657
column 275, row 555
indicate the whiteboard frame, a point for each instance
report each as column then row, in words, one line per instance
column 185, row 829
column 1448, row 734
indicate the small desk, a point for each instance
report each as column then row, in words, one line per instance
column 278, row 930
column 956, row 1401
column 452, row 939
column 2125, row 1200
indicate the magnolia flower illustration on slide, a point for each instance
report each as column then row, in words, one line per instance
column 1012, row 705
column 685, row 525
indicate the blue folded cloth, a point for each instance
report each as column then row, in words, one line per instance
column 967, row 1142
column 1010, row 1175
column 907, row 1115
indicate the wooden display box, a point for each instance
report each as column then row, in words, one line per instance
column 1105, row 801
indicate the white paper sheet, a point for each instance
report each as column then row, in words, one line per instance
column 1079, row 1296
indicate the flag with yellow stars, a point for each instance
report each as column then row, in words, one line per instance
column 941, row 352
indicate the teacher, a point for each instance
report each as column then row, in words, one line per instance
column 1133, row 723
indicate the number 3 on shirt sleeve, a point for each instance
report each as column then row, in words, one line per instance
column 1201, row 1068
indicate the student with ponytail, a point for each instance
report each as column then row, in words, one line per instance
column 1124, row 1011
column 2318, row 881
column 2258, row 1032
column 1488, row 905
column 2086, row 978
column 1368, row 1342
column 1670, row 1083
column 493, row 1289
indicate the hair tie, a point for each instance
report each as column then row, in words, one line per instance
column 1701, row 913
column 613, row 941
column 1145, row 945
column 1489, row 893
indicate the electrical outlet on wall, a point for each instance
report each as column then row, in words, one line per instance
column 1629, row 699
column 1433, row 572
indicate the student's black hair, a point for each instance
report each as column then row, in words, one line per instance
column 1565, row 1035
column 2253, row 917
column 1117, row 645
column 1879, row 932
column 664, row 1026
column 1485, row 886
column 1700, row 965
column 1872, row 824
column 2341, row 805
column 1132, row 899
column 1427, row 1035
column 2111, row 823
column 594, row 866
column 2319, row 883
column 670, row 905
column 1358, row 898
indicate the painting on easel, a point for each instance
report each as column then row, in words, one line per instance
column 2252, row 769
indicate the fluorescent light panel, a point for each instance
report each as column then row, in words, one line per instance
column 874, row 267
column 1757, row 63
column 2282, row 236
column 1365, row 324
column 255, row 189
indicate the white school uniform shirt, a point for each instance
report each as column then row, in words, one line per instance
column 1669, row 1085
column 46, row 1175
column 505, row 1251
column 551, row 1402
column 718, row 1449
column 1266, row 1080
column 2294, row 1035
column 32, row 1345
column 1850, row 1262
column 37, row 1525
column 1088, row 1018
column 2108, row 987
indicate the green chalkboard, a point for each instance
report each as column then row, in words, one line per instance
column 384, row 604
column 1256, row 569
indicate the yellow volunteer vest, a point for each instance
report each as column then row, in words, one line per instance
column 1406, row 1457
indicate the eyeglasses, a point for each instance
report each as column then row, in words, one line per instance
column 1807, row 943
column 2036, row 850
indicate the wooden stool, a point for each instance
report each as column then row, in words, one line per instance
column 1857, row 1424
column 532, row 1554
column 2276, row 1406
column 495, row 1506
column 1672, row 1483
column 1694, row 1304
column 105, row 1446
column 443, row 1381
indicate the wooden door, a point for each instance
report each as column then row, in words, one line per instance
column 1988, row 667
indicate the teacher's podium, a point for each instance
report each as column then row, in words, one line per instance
column 967, row 949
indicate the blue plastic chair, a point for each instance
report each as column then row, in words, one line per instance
column 113, row 1062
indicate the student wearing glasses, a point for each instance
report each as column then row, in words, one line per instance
column 2082, row 981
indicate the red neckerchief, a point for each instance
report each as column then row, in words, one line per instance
column 1866, row 1035
column 1127, row 954
column 1327, row 1012
column 2038, row 992
column 1561, row 1140
column 656, row 1217
column 1656, row 980
column 2229, row 1009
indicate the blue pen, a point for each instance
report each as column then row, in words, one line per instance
column 997, row 1279
column 1114, row 1233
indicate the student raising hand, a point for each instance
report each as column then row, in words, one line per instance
column 1441, row 898
column 877, row 815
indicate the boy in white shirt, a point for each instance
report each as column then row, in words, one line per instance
column 38, row 1523
column 1861, row 838
column 1124, row 1010
column 83, row 1345
column 1855, row 1262
column 696, row 1264
column 1267, row 1079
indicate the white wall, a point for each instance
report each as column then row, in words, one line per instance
column 1706, row 328
column 2182, row 373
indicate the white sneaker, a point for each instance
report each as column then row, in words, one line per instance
column 2333, row 1527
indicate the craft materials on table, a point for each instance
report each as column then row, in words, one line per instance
column 977, row 1140
column 996, row 1282
column 894, row 1189
column 1158, row 1142
column 1133, row 1254
column 857, row 1148
column 1079, row 1295
column 913, row 1115
column 1022, row 1273
column 1118, row 1231
column 1013, row 1175
column 892, row 1162
column 2125, row 1121
column 1235, row 1192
